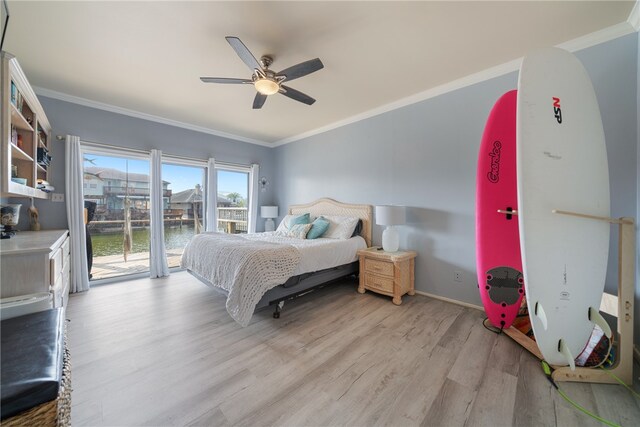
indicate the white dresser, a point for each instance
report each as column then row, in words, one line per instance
column 36, row 261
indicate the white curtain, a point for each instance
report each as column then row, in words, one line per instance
column 211, row 198
column 75, row 214
column 253, row 198
column 158, row 266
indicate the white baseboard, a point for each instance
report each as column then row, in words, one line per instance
column 636, row 350
column 452, row 301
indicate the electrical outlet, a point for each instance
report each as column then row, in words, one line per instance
column 57, row 197
column 457, row 276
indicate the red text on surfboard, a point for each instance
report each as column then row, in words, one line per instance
column 494, row 174
column 556, row 109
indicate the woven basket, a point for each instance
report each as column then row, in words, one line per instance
column 55, row 412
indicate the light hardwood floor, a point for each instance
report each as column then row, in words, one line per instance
column 165, row 352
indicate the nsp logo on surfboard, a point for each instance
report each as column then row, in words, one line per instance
column 556, row 109
column 494, row 174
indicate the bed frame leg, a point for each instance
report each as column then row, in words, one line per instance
column 276, row 313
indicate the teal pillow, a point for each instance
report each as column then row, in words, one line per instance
column 300, row 219
column 318, row 228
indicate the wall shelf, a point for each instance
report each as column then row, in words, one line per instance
column 21, row 115
column 18, row 154
column 18, row 120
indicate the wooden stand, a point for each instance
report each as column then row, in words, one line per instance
column 623, row 367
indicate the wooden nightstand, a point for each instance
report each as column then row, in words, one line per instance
column 387, row 273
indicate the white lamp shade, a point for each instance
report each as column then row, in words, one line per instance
column 391, row 215
column 269, row 211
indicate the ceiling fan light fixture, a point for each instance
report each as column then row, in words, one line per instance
column 266, row 81
column 266, row 86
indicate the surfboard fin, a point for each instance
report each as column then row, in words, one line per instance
column 562, row 348
column 596, row 317
column 540, row 314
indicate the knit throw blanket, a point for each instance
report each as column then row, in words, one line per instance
column 246, row 269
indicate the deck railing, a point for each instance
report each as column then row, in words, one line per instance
column 131, row 191
column 230, row 220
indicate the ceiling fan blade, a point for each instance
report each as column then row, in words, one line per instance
column 302, row 69
column 258, row 101
column 244, row 53
column 224, row 80
column 296, row 95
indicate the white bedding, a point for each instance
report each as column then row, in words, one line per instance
column 247, row 266
column 317, row 254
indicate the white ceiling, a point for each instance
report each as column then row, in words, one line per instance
column 148, row 56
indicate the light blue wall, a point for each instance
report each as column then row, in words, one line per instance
column 614, row 72
column 424, row 156
column 116, row 129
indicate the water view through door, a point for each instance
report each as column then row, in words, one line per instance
column 116, row 193
column 185, row 212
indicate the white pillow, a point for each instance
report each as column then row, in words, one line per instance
column 340, row 227
column 283, row 227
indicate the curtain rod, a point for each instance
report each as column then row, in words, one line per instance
column 138, row 151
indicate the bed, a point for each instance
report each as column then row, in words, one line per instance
column 262, row 269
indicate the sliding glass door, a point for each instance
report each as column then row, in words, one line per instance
column 116, row 194
column 233, row 199
column 184, row 209
column 117, row 202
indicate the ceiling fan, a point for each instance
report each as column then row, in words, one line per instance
column 266, row 81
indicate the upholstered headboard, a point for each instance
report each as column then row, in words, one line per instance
column 327, row 206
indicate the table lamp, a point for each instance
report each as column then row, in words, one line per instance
column 269, row 212
column 390, row 216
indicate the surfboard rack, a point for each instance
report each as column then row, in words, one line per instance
column 623, row 366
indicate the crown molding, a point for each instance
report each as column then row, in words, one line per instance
column 144, row 116
column 574, row 45
column 634, row 16
column 610, row 33
column 598, row 37
column 413, row 99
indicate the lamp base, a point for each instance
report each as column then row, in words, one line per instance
column 390, row 239
column 269, row 225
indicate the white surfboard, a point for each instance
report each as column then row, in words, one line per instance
column 561, row 165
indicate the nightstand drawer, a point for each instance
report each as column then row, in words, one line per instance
column 380, row 283
column 378, row 267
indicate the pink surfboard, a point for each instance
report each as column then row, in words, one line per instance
column 498, row 260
